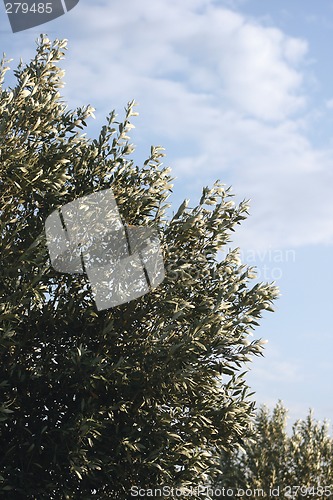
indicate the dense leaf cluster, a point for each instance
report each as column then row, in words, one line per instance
column 149, row 392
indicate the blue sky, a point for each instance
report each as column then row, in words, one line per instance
column 240, row 91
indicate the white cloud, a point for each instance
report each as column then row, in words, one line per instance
column 255, row 67
column 206, row 47
column 224, row 93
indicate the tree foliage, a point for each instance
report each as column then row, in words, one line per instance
column 273, row 458
column 148, row 392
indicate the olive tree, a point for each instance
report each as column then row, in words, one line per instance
column 297, row 464
column 148, row 392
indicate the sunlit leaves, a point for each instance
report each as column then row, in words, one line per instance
column 150, row 391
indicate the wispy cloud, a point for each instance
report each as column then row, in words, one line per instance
column 225, row 93
column 277, row 369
